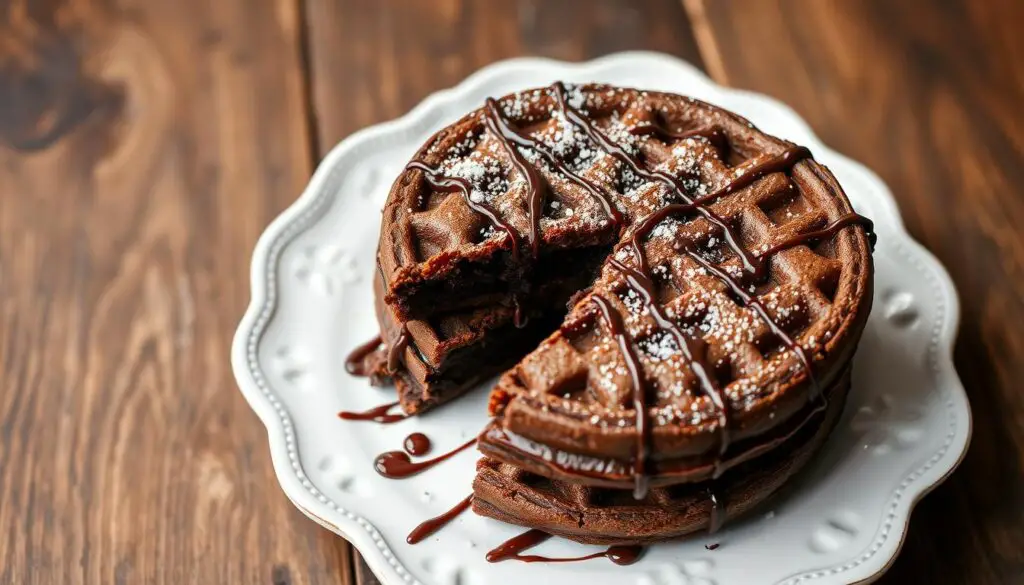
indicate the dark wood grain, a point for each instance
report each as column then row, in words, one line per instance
column 373, row 61
column 143, row 147
column 929, row 95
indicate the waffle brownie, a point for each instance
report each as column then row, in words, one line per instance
column 697, row 289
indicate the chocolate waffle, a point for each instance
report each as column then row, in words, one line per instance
column 716, row 278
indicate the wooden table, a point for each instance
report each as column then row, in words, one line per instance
column 144, row 144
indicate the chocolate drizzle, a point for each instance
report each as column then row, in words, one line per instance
column 463, row 186
column 718, row 512
column 397, row 349
column 824, row 233
column 432, row 525
column 748, row 175
column 638, row 396
column 712, row 134
column 517, row 544
column 519, row 319
column 507, row 133
column 513, row 547
column 748, row 300
column 642, row 284
column 538, row 188
column 398, row 465
column 377, row 414
column 354, row 363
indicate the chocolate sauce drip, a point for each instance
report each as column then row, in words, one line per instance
column 643, row 285
column 623, row 554
column 749, row 174
column 397, row 350
column 377, row 414
column 416, row 444
column 511, row 134
column 463, row 186
column 665, row 178
column 620, row 555
column 638, row 396
column 713, row 134
column 718, row 512
column 824, row 233
column 500, row 127
column 354, row 362
column 398, row 465
column 518, row 318
column 432, row 525
column 511, row 549
column 517, row 544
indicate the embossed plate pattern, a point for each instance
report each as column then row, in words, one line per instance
column 905, row 428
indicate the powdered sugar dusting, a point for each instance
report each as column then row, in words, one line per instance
column 660, row 346
column 483, row 172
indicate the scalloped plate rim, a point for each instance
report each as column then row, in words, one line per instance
column 361, row 533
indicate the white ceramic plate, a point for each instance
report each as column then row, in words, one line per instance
column 905, row 428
